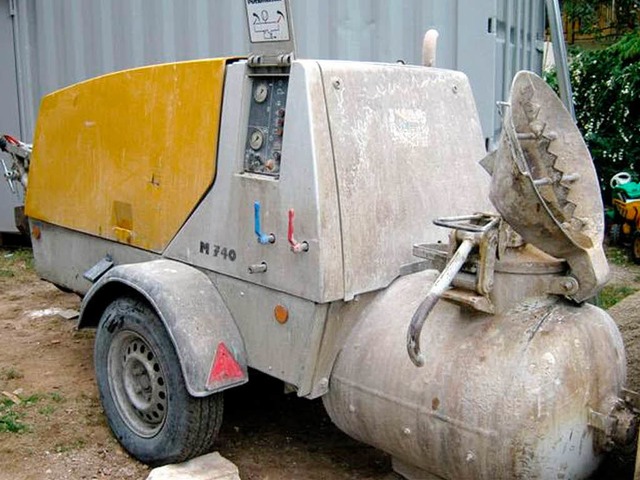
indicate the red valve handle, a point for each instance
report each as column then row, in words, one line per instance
column 296, row 247
column 11, row 139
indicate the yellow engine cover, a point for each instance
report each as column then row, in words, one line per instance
column 127, row 156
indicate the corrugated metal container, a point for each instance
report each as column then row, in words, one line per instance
column 66, row 41
column 9, row 113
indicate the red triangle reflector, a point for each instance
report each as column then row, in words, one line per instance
column 224, row 367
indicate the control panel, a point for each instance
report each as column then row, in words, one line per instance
column 263, row 149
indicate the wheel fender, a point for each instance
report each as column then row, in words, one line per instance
column 206, row 338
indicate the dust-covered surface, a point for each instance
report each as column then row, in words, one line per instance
column 62, row 434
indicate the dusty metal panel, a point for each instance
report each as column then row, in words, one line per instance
column 224, row 220
column 77, row 252
column 406, row 143
column 286, row 350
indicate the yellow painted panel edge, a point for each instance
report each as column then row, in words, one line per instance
column 128, row 155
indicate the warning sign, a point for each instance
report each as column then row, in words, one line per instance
column 268, row 21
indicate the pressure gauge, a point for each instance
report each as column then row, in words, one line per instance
column 256, row 139
column 261, row 92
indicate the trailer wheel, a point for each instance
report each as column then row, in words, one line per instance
column 635, row 248
column 142, row 389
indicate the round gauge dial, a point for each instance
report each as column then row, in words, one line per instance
column 261, row 92
column 256, row 139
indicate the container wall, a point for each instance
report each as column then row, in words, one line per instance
column 9, row 116
column 65, row 41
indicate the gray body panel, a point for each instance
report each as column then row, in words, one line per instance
column 286, row 351
column 406, row 143
column 62, row 256
column 306, row 184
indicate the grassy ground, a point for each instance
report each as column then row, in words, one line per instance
column 625, row 279
column 15, row 262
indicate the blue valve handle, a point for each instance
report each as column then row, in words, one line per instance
column 263, row 239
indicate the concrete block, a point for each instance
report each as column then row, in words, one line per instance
column 212, row 466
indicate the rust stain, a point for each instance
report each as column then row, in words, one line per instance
column 435, row 403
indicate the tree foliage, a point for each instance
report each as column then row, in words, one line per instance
column 624, row 18
column 606, row 89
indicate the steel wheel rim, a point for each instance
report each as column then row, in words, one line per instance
column 137, row 383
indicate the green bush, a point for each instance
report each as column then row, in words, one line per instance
column 606, row 90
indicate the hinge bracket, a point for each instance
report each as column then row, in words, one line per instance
column 282, row 60
column 270, row 30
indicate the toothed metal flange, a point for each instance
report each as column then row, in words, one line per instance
column 544, row 183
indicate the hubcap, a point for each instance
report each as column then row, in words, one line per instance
column 137, row 383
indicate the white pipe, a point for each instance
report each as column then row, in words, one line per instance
column 429, row 45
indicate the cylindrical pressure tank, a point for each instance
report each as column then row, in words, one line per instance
column 504, row 396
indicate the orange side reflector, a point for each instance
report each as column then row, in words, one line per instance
column 224, row 367
column 281, row 314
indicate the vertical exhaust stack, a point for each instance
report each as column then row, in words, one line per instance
column 429, row 47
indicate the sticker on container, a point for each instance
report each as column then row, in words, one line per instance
column 267, row 21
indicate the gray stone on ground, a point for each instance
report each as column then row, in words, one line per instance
column 212, row 466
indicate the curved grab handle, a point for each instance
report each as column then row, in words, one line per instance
column 296, row 247
column 263, row 238
column 424, row 309
column 620, row 178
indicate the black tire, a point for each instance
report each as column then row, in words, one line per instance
column 615, row 233
column 635, row 247
column 143, row 392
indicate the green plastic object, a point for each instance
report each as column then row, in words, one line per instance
column 610, row 213
column 630, row 190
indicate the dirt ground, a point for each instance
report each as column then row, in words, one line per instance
column 60, row 431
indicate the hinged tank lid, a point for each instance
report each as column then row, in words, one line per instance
column 544, row 183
